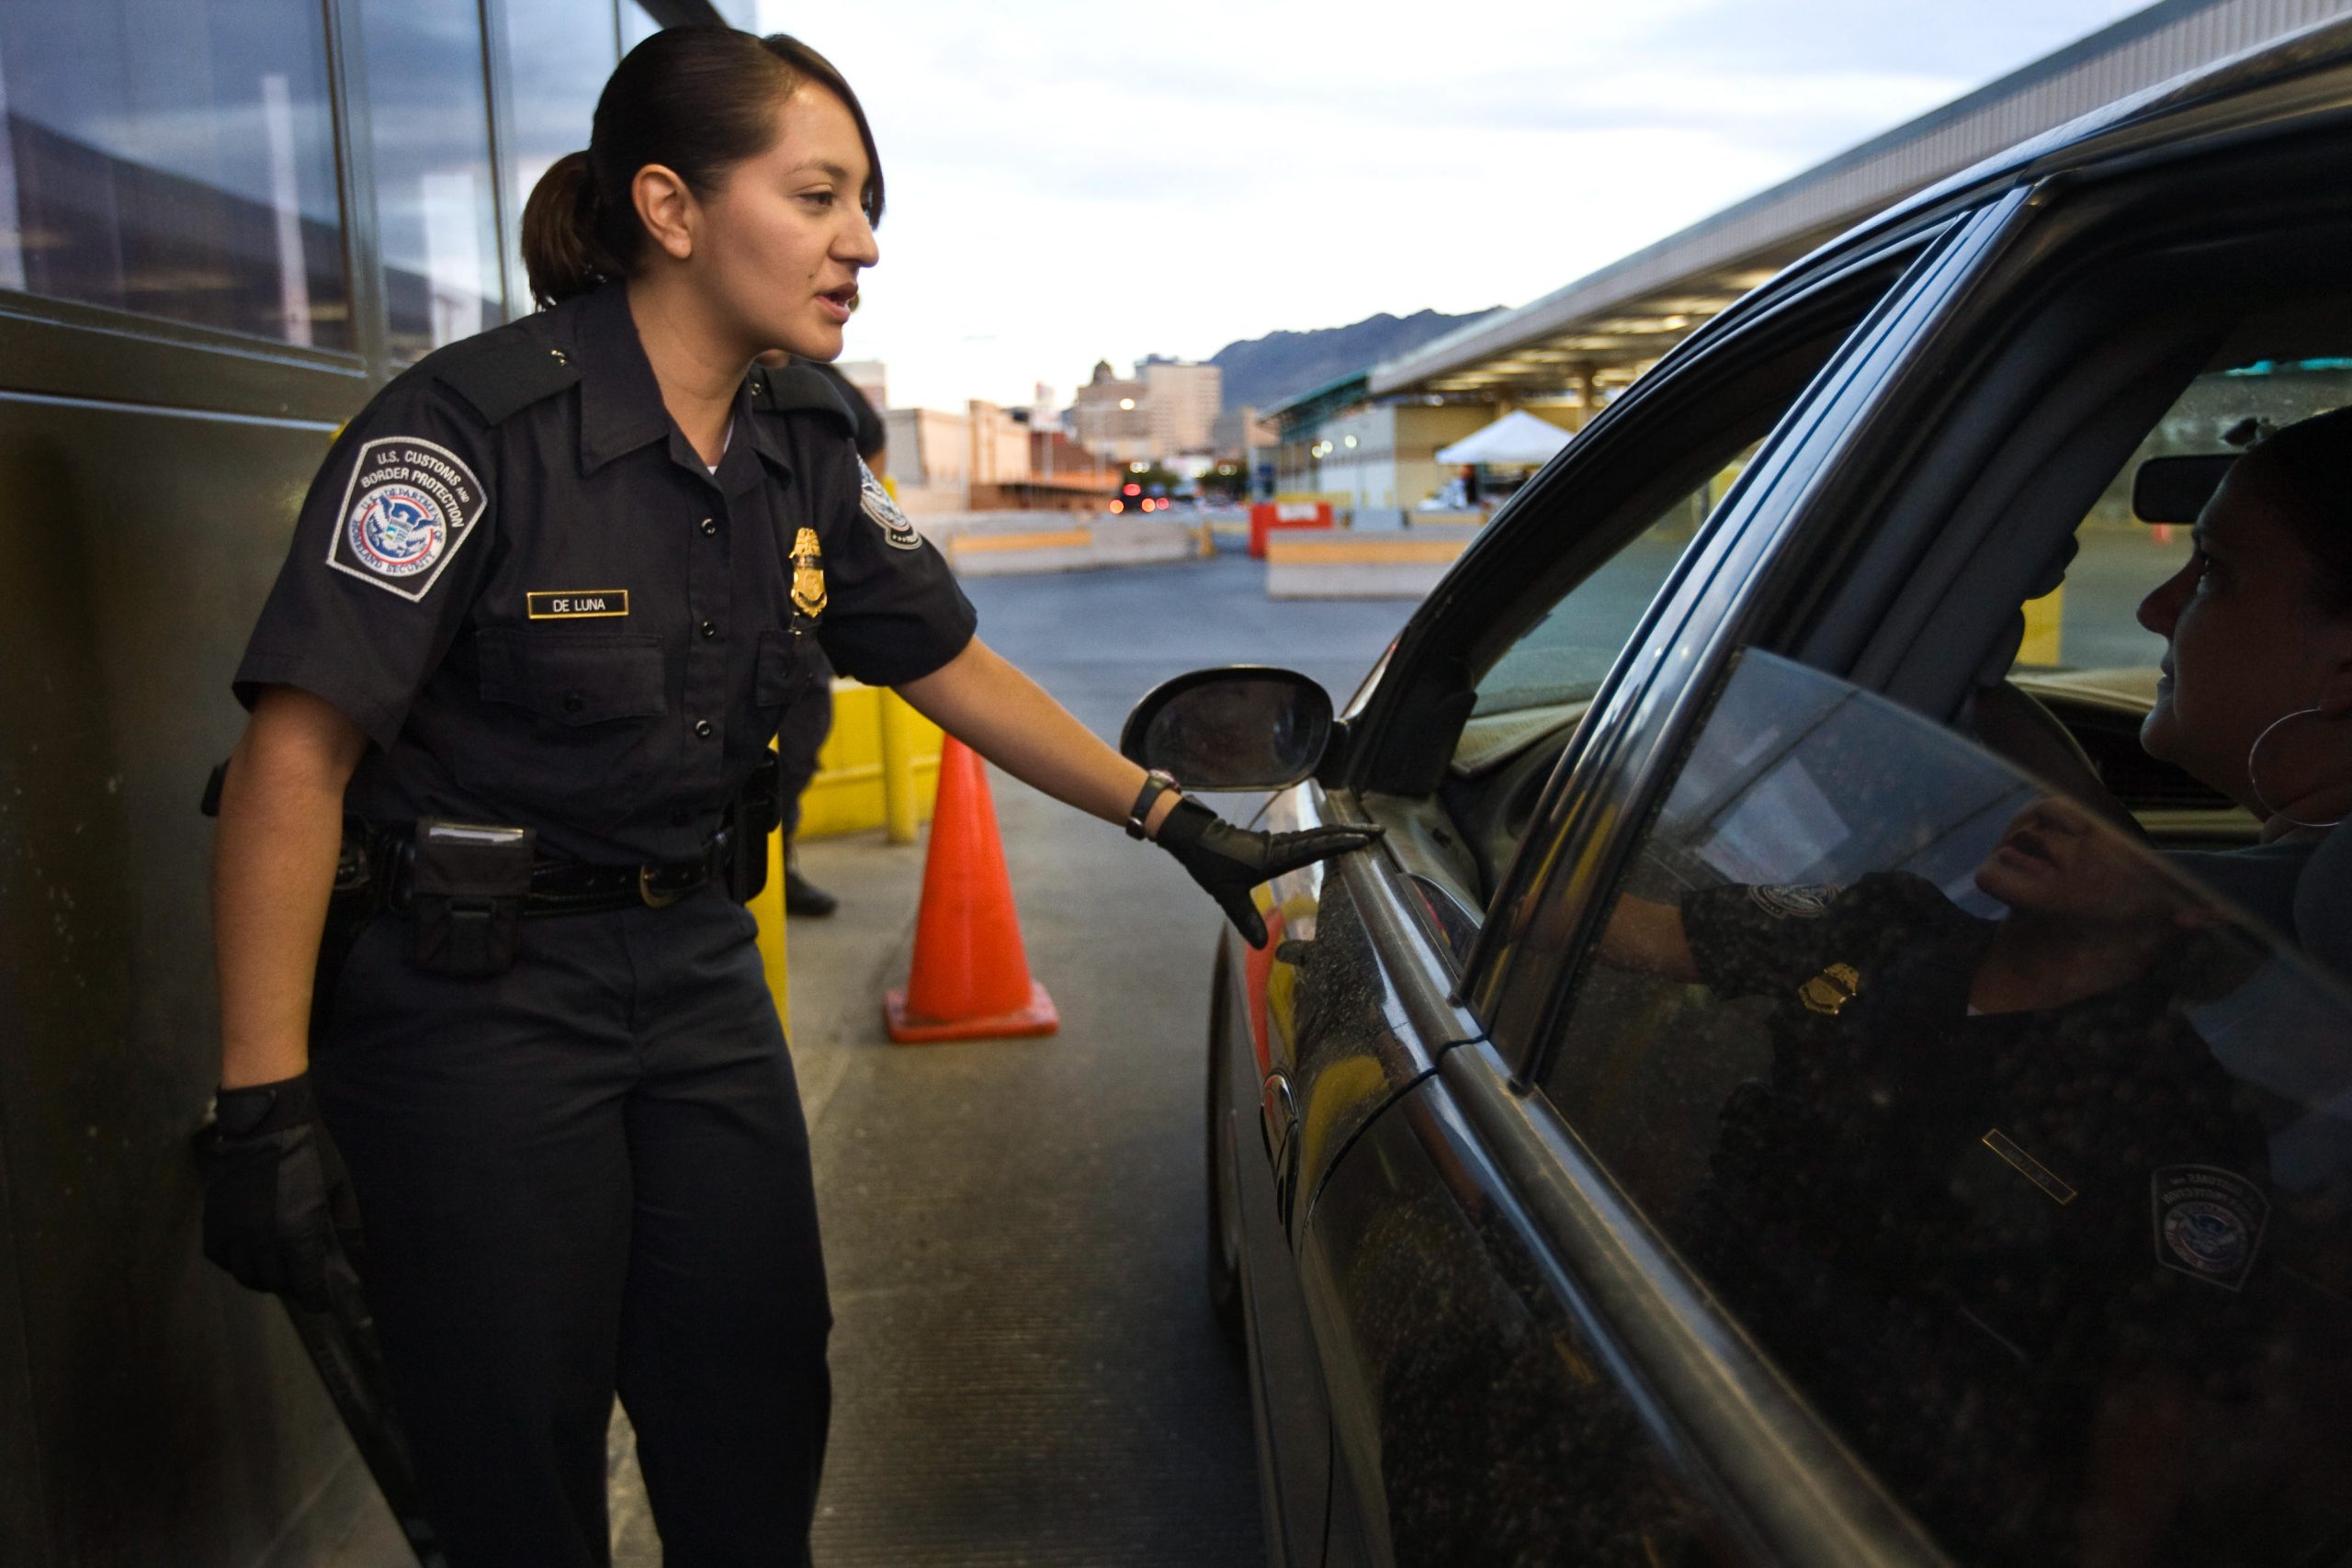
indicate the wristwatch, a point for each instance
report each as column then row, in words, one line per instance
column 1155, row 782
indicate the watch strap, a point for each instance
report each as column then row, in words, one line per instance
column 1155, row 782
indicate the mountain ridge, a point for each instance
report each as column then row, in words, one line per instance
column 1265, row 372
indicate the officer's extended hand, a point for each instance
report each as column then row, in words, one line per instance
column 1228, row 861
column 272, row 1193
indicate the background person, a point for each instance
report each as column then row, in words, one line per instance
column 545, row 603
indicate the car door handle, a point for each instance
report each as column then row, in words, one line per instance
column 1277, row 1114
column 1278, row 1121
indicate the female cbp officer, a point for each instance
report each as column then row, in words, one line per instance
column 544, row 605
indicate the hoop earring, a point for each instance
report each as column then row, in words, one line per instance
column 2254, row 781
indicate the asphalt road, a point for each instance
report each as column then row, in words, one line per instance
column 1025, row 1367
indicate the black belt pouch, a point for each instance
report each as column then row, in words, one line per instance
column 467, row 886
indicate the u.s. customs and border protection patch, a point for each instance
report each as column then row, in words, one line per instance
column 408, row 508
column 878, row 505
column 808, row 574
column 1793, row 900
column 2208, row 1222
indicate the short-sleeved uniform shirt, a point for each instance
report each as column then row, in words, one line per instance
column 514, row 573
column 1963, row 1226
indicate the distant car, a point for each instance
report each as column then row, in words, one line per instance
column 1540, row 1257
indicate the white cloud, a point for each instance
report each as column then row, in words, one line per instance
column 1073, row 181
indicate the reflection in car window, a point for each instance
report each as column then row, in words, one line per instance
column 2027, row 1164
column 175, row 157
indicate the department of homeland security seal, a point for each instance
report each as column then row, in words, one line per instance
column 2209, row 1223
column 884, row 511
column 408, row 508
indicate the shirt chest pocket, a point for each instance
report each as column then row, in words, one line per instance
column 587, row 751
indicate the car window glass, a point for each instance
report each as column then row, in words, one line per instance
column 2087, row 624
column 1560, row 659
column 2027, row 1162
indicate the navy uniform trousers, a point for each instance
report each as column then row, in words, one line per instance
column 589, row 1174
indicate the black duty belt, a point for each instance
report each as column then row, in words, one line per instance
column 558, row 887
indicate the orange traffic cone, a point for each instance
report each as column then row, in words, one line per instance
column 971, row 979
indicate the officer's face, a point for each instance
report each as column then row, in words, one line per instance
column 2055, row 859
column 782, row 239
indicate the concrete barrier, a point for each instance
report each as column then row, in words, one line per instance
column 997, row 544
column 1352, row 566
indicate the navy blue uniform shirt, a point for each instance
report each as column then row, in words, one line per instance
column 516, row 576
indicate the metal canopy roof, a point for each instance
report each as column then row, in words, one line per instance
column 1612, row 323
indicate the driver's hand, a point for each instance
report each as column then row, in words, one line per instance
column 1228, row 861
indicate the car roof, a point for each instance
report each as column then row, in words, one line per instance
column 2291, row 83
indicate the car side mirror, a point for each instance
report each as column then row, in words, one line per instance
column 2174, row 489
column 1241, row 727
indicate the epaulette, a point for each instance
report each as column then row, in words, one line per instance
column 504, row 371
column 795, row 388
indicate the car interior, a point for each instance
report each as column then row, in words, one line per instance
column 2013, row 620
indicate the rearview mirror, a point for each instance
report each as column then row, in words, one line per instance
column 2174, row 489
column 1242, row 727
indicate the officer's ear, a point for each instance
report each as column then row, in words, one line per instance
column 666, row 208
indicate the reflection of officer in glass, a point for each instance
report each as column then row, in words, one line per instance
column 1993, row 1166
column 550, row 1057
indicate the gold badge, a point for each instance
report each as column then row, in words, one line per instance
column 1830, row 990
column 808, row 574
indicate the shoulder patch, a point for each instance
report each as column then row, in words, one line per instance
column 876, row 504
column 1795, row 901
column 408, row 510
column 2209, row 1223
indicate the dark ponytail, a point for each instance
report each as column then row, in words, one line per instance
column 563, row 253
column 696, row 100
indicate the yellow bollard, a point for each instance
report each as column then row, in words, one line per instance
column 902, row 807
column 2043, row 618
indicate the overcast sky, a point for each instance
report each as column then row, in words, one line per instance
column 1069, row 181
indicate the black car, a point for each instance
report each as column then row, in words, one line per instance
column 1544, row 1257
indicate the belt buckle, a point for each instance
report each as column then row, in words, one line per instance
column 652, row 896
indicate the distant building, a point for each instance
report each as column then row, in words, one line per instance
column 1237, row 432
column 1165, row 409
column 988, row 459
column 869, row 377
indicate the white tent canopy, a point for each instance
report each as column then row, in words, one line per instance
column 1519, row 437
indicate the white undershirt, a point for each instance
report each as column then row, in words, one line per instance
column 724, row 443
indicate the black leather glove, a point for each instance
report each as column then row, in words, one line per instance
column 273, row 1192
column 1228, row 862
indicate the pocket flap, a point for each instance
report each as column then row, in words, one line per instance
column 574, row 679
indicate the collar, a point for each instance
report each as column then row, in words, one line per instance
column 621, row 402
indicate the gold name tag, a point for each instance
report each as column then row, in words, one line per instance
column 574, row 606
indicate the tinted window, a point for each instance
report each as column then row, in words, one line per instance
column 2026, row 1161
column 429, row 125
column 175, row 157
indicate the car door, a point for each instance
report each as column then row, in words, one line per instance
column 2065, row 1279
column 1357, row 995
